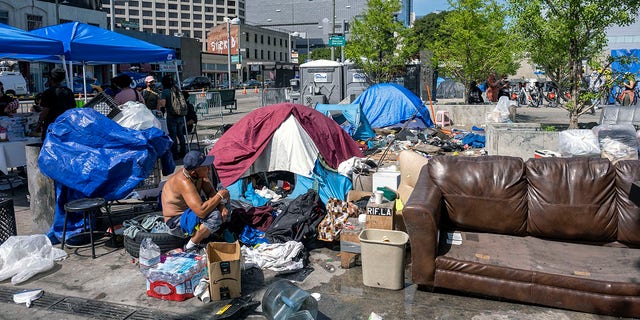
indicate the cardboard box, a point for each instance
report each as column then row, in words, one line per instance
column 380, row 216
column 224, row 270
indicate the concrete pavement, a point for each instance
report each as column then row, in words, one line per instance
column 111, row 287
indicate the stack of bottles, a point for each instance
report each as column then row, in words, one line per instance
column 177, row 277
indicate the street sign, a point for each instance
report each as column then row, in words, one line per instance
column 236, row 58
column 337, row 41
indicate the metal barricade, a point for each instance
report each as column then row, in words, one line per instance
column 274, row 95
column 208, row 105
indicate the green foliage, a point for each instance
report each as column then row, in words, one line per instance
column 561, row 34
column 380, row 45
column 473, row 41
column 549, row 128
column 425, row 28
column 317, row 54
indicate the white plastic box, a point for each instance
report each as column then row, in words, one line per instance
column 389, row 179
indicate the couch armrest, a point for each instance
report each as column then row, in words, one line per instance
column 421, row 216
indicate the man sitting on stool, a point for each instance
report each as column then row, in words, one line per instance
column 183, row 208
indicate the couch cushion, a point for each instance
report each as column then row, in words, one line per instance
column 572, row 198
column 590, row 268
column 627, row 172
column 483, row 193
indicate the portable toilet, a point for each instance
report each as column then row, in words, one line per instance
column 321, row 82
column 355, row 81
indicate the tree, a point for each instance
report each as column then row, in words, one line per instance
column 562, row 34
column 380, row 45
column 473, row 41
column 425, row 28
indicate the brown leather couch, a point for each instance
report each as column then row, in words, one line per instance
column 559, row 232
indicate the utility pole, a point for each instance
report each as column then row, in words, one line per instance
column 344, row 34
column 333, row 28
column 112, row 13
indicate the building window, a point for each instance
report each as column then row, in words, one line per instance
column 231, row 3
column 148, row 30
column 147, row 22
column 197, row 25
column 147, row 4
column 173, row 15
column 4, row 16
column 133, row 12
column 161, row 23
column 197, row 17
column 281, row 42
column 160, row 31
column 197, row 8
column 185, row 15
column 220, row 2
column 280, row 56
column 159, row 14
column 208, row 17
column 268, row 40
column 231, row 11
column 197, row 34
column 173, row 23
column 184, row 7
column 146, row 13
column 208, row 1
column 209, row 25
column 261, row 39
column 268, row 55
column 120, row 11
column 133, row 3
column 246, row 36
column 159, row 5
column 173, row 6
column 185, row 24
column 255, row 38
column 262, row 54
column 220, row 10
column 220, row 19
column 208, row 9
column 255, row 53
column 34, row 22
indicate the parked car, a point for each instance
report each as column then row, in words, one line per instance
column 196, row 83
column 225, row 84
column 252, row 83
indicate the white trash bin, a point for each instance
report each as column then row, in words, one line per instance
column 382, row 254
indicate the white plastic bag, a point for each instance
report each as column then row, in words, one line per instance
column 22, row 257
column 578, row 142
column 136, row 115
column 500, row 113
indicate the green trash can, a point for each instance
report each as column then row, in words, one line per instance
column 382, row 254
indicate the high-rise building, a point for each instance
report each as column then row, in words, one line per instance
column 307, row 19
column 185, row 18
column 405, row 13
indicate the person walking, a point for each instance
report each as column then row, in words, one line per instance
column 55, row 100
column 492, row 87
column 172, row 100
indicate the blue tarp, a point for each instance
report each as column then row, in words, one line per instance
column 94, row 45
column 89, row 155
column 18, row 41
column 350, row 118
column 387, row 104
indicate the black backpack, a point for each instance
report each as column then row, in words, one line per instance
column 299, row 220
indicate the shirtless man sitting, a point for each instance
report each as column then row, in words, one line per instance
column 183, row 208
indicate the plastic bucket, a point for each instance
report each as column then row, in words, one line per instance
column 382, row 254
column 283, row 300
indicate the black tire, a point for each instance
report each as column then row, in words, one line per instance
column 165, row 241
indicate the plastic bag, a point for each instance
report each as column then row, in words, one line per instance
column 22, row 257
column 617, row 141
column 578, row 142
column 136, row 115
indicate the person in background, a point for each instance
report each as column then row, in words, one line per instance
column 9, row 104
column 150, row 94
column 475, row 94
column 492, row 87
column 36, row 107
column 111, row 89
column 175, row 123
column 503, row 87
column 55, row 100
column 628, row 93
column 185, row 211
column 126, row 94
column 191, row 117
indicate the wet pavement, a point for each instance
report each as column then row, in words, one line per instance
column 111, row 287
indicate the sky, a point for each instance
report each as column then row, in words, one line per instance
column 424, row 7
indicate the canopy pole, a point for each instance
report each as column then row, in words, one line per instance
column 84, row 81
column 64, row 67
column 175, row 64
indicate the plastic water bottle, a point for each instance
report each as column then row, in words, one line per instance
column 149, row 255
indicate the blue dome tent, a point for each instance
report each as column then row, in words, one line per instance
column 388, row 104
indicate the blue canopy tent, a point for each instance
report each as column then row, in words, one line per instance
column 17, row 41
column 88, row 44
column 621, row 68
column 388, row 104
column 350, row 118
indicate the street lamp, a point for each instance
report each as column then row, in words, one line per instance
column 295, row 34
column 229, row 23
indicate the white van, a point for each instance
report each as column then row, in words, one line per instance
column 14, row 80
